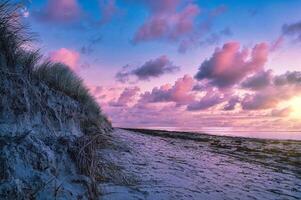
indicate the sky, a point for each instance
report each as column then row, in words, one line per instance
column 180, row 64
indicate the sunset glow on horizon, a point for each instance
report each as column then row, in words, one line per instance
column 186, row 64
column 296, row 108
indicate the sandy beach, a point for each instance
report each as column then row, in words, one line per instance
column 166, row 165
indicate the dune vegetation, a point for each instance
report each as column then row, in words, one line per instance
column 15, row 45
column 30, row 84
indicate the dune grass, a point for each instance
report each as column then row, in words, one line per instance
column 15, row 38
column 16, row 58
column 60, row 77
column 14, row 34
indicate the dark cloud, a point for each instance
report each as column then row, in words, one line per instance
column 264, row 90
column 201, row 86
column 209, row 100
column 123, row 75
column 228, row 66
column 288, row 78
column 292, row 30
column 232, row 103
column 258, row 81
column 282, row 88
column 150, row 69
column 155, row 68
column 259, row 101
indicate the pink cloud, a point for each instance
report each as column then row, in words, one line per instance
column 126, row 97
column 106, row 95
column 179, row 93
column 60, row 11
column 260, row 100
column 211, row 99
column 153, row 108
column 165, row 22
column 199, row 36
column 228, row 66
column 67, row 56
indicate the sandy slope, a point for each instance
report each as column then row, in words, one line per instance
column 169, row 168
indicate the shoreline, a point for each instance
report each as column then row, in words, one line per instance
column 279, row 154
column 188, row 134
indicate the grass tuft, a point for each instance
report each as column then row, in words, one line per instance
column 14, row 34
column 15, row 37
column 60, row 77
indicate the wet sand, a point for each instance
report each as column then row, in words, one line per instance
column 176, row 165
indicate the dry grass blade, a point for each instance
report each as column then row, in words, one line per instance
column 92, row 164
column 14, row 35
column 61, row 78
column 86, row 159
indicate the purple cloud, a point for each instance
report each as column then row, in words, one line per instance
column 60, row 11
column 259, row 101
column 258, row 81
column 179, row 93
column 126, row 97
column 232, row 103
column 196, row 39
column 166, row 21
column 211, row 99
column 293, row 30
column 283, row 87
column 150, row 69
column 228, row 66
column 288, row 78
